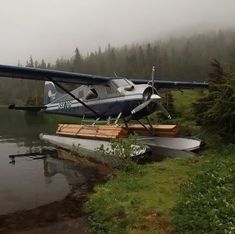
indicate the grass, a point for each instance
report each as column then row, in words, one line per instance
column 139, row 200
column 62, row 119
column 183, row 101
column 176, row 195
column 207, row 200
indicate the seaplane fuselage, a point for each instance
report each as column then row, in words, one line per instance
column 109, row 100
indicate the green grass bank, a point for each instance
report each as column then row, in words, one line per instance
column 194, row 195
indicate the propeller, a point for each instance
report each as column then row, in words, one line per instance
column 161, row 107
column 151, row 95
column 153, row 73
column 140, row 107
column 164, row 110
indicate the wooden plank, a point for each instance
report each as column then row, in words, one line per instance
column 89, row 131
column 89, row 126
column 155, row 127
column 113, row 131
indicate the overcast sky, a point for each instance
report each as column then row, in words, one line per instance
column 53, row 28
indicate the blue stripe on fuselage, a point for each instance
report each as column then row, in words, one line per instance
column 111, row 109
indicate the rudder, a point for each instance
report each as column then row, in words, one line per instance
column 50, row 92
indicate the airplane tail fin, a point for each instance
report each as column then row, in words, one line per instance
column 50, row 92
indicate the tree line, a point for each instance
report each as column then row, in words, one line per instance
column 182, row 58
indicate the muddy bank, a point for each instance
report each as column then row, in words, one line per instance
column 64, row 216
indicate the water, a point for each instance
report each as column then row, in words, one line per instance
column 30, row 181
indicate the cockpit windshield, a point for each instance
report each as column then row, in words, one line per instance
column 121, row 82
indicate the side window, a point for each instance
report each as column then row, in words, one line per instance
column 80, row 94
column 91, row 94
column 108, row 89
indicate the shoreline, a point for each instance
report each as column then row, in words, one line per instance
column 50, row 217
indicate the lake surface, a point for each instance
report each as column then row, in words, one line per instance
column 39, row 177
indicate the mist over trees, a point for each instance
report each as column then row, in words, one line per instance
column 182, row 58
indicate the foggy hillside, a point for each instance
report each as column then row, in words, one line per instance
column 178, row 58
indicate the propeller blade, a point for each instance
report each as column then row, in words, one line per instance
column 153, row 73
column 164, row 110
column 140, row 107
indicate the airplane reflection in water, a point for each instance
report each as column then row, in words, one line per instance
column 80, row 174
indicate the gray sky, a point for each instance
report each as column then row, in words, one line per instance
column 53, row 28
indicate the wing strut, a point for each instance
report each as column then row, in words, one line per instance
column 74, row 97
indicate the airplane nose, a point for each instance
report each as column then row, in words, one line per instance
column 152, row 100
column 155, row 97
column 148, row 94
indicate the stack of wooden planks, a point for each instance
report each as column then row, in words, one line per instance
column 92, row 131
column 114, row 131
column 158, row 130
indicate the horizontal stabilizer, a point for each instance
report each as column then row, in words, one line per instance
column 26, row 108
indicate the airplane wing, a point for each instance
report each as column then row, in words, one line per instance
column 166, row 84
column 80, row 78
column 50, row 75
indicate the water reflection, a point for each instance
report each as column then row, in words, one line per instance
column 80, row 176
column 34, row 174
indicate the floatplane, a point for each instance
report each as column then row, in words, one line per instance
column 101, row 98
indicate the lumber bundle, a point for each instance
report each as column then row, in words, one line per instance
column 114, row 131
column 158, row 130
column 92, row 131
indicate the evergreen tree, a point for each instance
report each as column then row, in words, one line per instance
column 217, row 109
column 43, row 64
column 77, row 61
column 30, row 63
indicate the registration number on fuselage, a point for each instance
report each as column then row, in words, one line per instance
column 65, row 105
